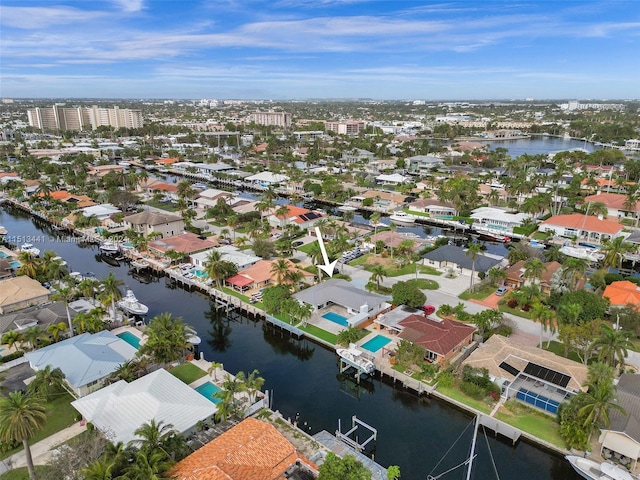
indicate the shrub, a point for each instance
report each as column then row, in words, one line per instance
column 512, row 303
column 446, row 379
column 472, row 390
column 367, row 202
column 612, row 277
column 11, row 356
column 503, row 330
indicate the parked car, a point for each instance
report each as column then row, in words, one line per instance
column 428, row 309
column 297, row 243
column 501, row 291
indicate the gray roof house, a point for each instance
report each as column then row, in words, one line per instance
column 359, row 304
column 42, row 316
column 450, row 256
column 86, row 359
column 623, row 434
column 118, row 410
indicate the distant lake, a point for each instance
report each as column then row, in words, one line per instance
column 540, row 145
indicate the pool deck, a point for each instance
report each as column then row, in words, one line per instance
column 133, row 331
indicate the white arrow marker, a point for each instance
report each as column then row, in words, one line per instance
column 327, row 267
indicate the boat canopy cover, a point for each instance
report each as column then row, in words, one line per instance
column 620, row 443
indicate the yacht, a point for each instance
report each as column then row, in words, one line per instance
column 402, row 218
column 130, row 304
column 29, row 248
column 582, row 252
column 60, row 260
column 354, row 357
column 139, row 264
column 109, row 247
column 592, row 470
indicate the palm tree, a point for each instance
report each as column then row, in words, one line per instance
column 111, row 291
column 212, row 370
column 149, row 466
column 154, row 435
column 66, row 294
column 254, row 383
column 600, row 398
column 375, row 219
column 544, row 316
column 47, row 382
column 34, row 335
column 21, row 416
column 533, row 269
column 279, row 268
column 29, row 265
column 613, row 251
column 231, row 389
column 281, row 212
column 473, row 251
column 166, row 338
column 13, row 337
column 613, row 346
column 573, row 269
column 378, row 273
column 99, row 469
column 293, row 277
column 233, row 222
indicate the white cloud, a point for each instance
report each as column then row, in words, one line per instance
column 129, row 6
column 43, row 17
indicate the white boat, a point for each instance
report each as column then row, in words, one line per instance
column 130, row 304
column 29, row 248
column 3, row 231
column 354, row 357
column 582, row 252
column 60, row 260
column 109, row 247
column 139, row 264
column 402, row 218
column 592, row 470
column 193, row 337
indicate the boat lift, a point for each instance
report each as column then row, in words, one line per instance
column 346, row 436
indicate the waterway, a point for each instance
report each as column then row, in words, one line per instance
column 413, row 432
column 540, row 145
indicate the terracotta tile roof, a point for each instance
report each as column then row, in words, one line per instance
column 439, row 337
column 623, row 293
column 612, row 200
column 298, row 214
column 186, row 243
column 260, row 272
column 584, row 222
column 166, row 161
column 252, row 450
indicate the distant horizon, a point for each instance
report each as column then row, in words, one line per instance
column 286, row 50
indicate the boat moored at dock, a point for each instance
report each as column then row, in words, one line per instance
column 592, row 470
column 402, row 218
column 354, row 357
column 130, row 304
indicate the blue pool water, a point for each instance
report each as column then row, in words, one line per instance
column 3, row 255
column 335, row 318
column 15, row 264
column 130, row 338
column 376, row 343
column 208, row 390
column 538, row 400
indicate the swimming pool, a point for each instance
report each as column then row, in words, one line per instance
column 376, row 343
column 335, row 318
column 208, row 390
column 130, row 338
column 15, row 264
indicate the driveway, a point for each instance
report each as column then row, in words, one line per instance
column 14, row 377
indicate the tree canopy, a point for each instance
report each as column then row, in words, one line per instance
column 405, row 293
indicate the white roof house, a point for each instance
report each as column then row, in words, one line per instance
column 101, row 211
column 497, row 218
column 118, row 410
column 86, row 359
column 229, row 253
column 267, row 178
column 394, row 178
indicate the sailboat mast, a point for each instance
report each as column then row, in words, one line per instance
column 473, row 448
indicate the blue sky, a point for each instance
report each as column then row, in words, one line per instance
column 299, row 49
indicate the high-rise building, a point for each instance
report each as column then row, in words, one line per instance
column 345, row 128
column 60, row 118
column 278, row 119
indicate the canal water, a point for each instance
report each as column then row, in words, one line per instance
column 540, row 145
column 413, row 432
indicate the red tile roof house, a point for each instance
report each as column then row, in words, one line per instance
column 515, row 275
column 583, row 227
column 251, row 450
column 623, row 293
column 617, row 205
column 299, row 216
column 260, row 275
column 442, row 339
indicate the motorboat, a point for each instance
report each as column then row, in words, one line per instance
column 130, row 304
column 60, row 260
column 582, row 252
column 30, row 249
column 109, row 247
column 354, row 357
column 3, row 231
column 402, row 218
column 592, row 470
column 192, row 336
column 109, row 260
column 139, row 264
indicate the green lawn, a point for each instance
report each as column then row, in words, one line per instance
column 242, row 297
column 424, row 284
column 22, row 474
column 558, row 349
column 168, row 206
column 453, row 392
column 480, row 293
column 320, row 333
column 395, row 272
column 306, row 248
column 415, row 212
column 187, row 372
column 515, row 311
column 535, row 423
column 60, row 415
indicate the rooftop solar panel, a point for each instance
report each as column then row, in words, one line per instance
column 509, row 368
column 546, row 374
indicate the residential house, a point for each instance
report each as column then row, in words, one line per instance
column 78, row 201
column 42, row 316
column 265, row 179
column 299, row 216
column 441, row 338
column 452, row 257
column 355, row 304
column 532, row 375
column 21, row 292
column 102, row 170
column 152, row 186
column 86, row 360
column 357, row 155
column 496, row 220
column 207, row 170
column 392, row 179
column 434, row 208
column 187, row 243
column 393, row 239
column 623, row 293
column 260, row 275
column 384, row 201
column 147, row 223
column 209, row 198
column 119, row 409
column 515, row 275
column 423, row 164
column 252, row 449
column 101, row 212
column 165, row 162
column 228, row 253
column 582, row 227
column 622, row 436
column 617, row 204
